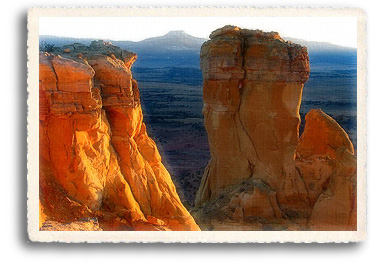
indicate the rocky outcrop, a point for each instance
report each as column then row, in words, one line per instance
column 260, row 173
column 96, row 159
column 326, row 160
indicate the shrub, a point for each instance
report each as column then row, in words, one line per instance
column 46, row 47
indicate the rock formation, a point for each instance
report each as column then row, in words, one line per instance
column 326, row 160
column 96, row 159
column 261, row 175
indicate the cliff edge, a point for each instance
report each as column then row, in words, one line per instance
column 99, row 170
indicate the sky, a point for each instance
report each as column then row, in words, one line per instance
column 336, row 30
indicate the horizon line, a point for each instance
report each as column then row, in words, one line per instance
column 107, row 39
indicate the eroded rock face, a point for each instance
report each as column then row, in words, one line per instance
column 96, row 159
column 326, row 161
column 252, row 90
column 253, row 84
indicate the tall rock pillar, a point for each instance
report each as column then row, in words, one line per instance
column 252, row 89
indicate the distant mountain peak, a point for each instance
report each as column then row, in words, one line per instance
column 177, row 33
column 173, row 40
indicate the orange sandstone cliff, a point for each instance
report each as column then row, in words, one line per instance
column 99, row 170
column 261, row 176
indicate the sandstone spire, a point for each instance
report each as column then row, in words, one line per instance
column 252, row 89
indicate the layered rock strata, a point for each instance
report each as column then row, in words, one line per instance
column 96, row 159
column 260, row 172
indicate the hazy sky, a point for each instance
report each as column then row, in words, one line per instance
column 337, row 30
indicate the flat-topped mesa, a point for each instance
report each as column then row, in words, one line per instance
column 252, row 91
column 96, row 159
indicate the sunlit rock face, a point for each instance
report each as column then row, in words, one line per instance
column 326, row 160
column 96, row 159
column 252, row 91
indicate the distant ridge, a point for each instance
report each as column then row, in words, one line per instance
column 61, row 41
column 172, row 41
column 328, row 54
column 316, row 45
column 182, row 40
column 179, row 49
